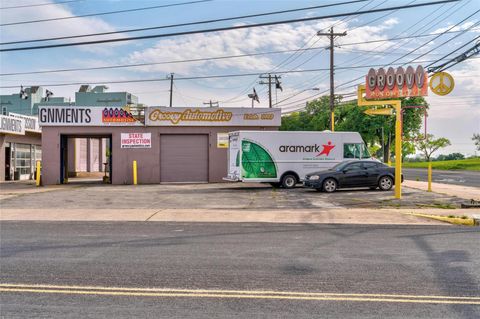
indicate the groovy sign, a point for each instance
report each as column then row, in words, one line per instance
column 184, row 116
column 396, row 83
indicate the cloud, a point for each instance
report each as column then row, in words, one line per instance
column 244, row 41
column 457, row 115
column 57, row 28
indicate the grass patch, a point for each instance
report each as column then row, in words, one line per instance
column 470, row 164
column 438, row 205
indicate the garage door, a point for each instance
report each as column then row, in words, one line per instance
column 184, row 158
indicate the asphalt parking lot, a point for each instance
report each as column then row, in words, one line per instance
column 212, row 196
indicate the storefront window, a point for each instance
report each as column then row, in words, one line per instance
column 22, row 159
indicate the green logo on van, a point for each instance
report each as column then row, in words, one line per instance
column 257, row 162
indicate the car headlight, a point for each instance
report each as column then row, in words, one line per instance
column 314, row 177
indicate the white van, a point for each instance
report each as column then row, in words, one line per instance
column 284, row 158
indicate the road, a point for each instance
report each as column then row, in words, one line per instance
column 103, row 270
column 465, row 178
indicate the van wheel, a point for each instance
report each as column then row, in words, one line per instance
column 289, row 181
column 330, row 185
column 385, row 183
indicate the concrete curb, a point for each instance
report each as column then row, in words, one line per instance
column 450, row 220
column 308, row 216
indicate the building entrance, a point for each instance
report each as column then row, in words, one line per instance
column 86, row 159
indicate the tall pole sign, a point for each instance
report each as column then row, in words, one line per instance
column 381, row 84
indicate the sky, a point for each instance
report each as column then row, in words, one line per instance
column 455, row 116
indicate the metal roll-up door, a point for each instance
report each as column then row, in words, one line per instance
column 183, row 158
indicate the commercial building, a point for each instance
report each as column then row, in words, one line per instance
column 87, row 155
column 20, row 146
column 168, row 144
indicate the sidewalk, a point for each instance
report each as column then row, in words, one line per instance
column 299, row 216
column 464, row 192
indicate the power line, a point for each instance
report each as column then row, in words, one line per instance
column 204, row 77
column 184, row 24
column 104, row 13
column 39, row 5
column 225, row 28
column 450, row 53
column 423, row 27
column 209, row 58
column 338, row 86
column 294, row 56
column 408, row 53
column 445, row 42
column 436, row 37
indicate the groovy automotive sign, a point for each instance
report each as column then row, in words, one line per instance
column 395, row 83
column 85, row 116
column 185, row 116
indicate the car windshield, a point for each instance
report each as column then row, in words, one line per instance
column 341, row 165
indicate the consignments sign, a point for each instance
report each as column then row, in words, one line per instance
column 85, row 116
column 395, row 83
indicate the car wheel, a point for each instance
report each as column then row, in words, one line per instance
column 385, row 183
column 330, row 185
column 289, row 181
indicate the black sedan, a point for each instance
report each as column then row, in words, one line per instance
column 350, row 174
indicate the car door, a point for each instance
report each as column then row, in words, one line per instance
column 371, row 168
column 353, row 175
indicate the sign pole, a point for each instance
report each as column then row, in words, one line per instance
column 398, row 148
column 398, row 134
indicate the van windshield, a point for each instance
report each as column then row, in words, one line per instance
column 355, row 150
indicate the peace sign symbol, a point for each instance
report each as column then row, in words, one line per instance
column 442, row 83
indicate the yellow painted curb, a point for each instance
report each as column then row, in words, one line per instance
column 451, row 220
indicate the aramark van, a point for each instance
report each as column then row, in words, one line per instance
column 284, row 158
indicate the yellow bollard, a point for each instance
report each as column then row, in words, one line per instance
column 389, row 163
column 37, row 177
column 429, row 177
column 134, row 172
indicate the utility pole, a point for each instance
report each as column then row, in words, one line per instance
column 212, row 103
column 332, row 35
column 269, row 83
column 171, row 88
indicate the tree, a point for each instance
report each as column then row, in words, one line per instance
column 430, row 145
column 476, row 140
column 450, row 157
column 408, row 148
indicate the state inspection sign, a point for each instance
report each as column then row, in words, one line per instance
column 136, row 140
